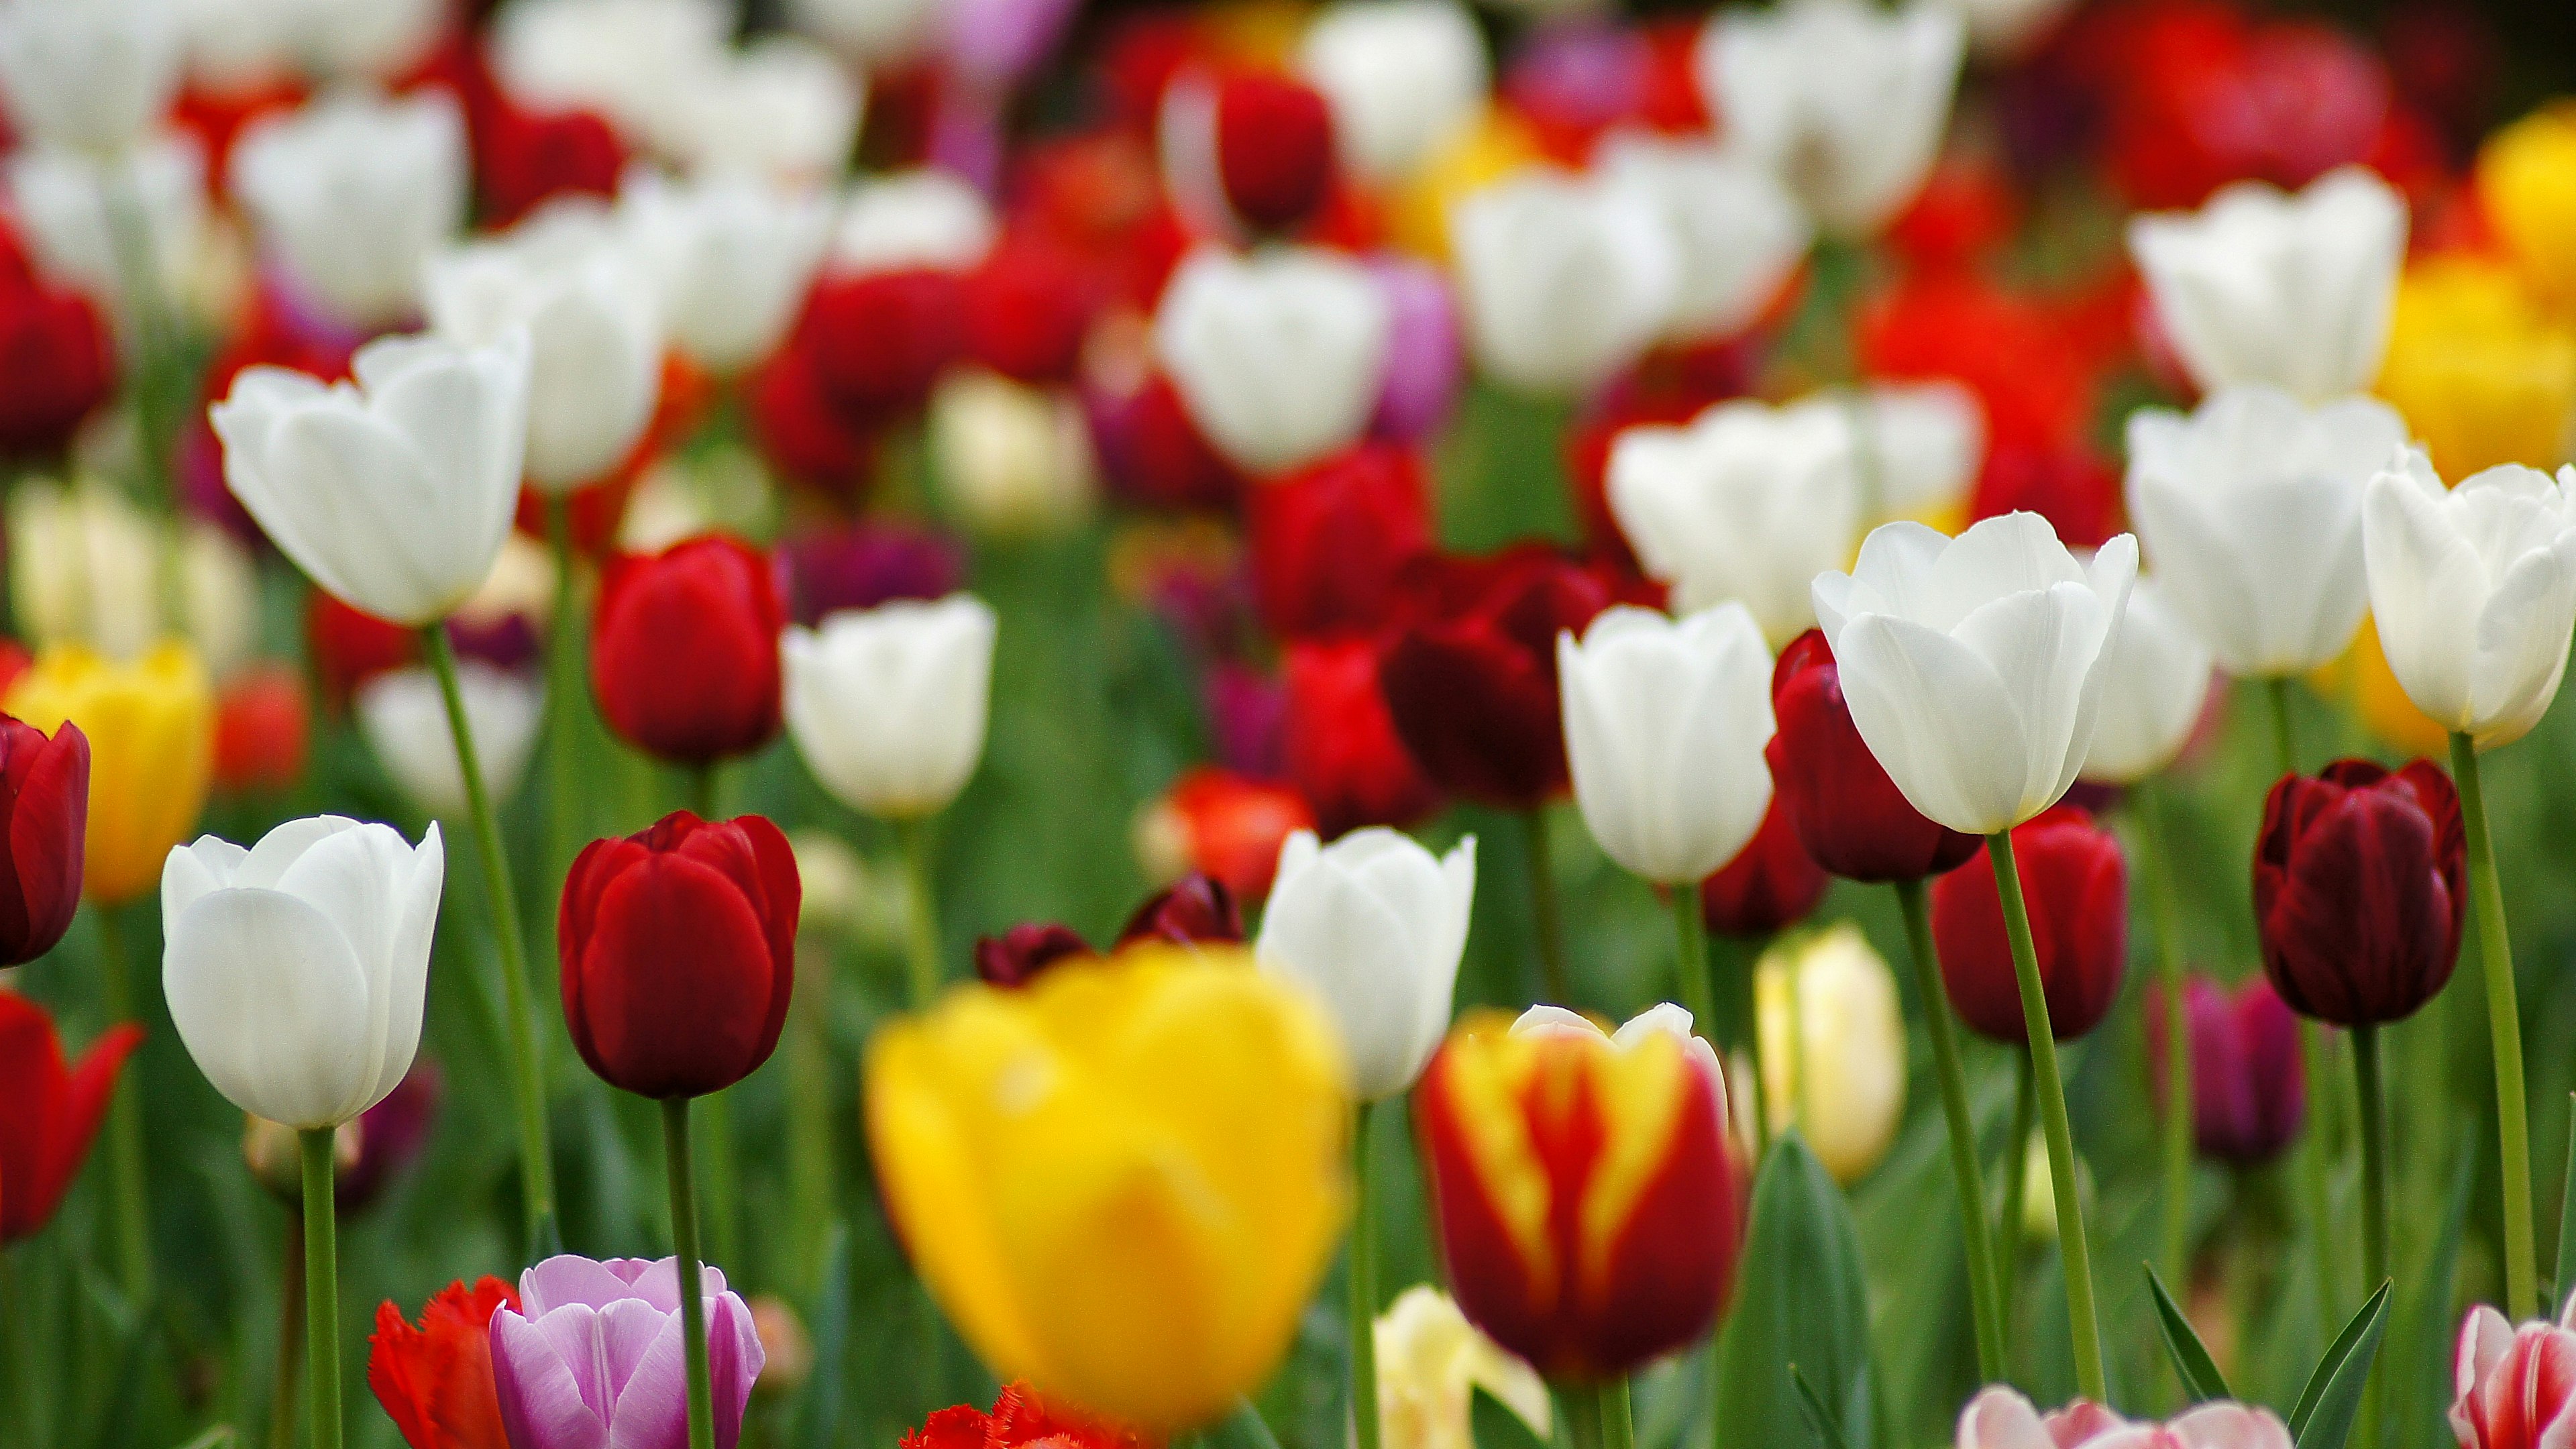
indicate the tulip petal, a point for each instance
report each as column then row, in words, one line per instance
column 1939, row 720
column 268, row 997
column 540, row 1396
column 2426, row 583
column 2000, row 1418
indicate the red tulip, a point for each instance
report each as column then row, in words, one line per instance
column 56, row 364
column 1020, row 1420
column 1220, row 824
column 262, row 728
column 1329, row 540
column 1028, row 308
column 684, row 650
column 1771, row 885
column 1847, row 812
column 1197, row 907
column 1151, row 454
column 1015, row 957
column 1340, row 748
column 881, row 340
column 2075, row 884
column 2248, row 1090
column 679, row 950
column 435, row 1381
column 2360, row 885
column 47, row 1114
column 799, row 430
column 525, row 159
column 350, row 647
column 44, row 822
column 1274, row 149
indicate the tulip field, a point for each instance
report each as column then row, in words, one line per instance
column 1286, row 724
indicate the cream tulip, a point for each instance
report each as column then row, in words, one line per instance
column 88, row 567
column 352, row 194
column 1431, row 1363
column 887, row 705
column 1665, row 721
column 1563, row 279
column 404, row 718
column 1372, row 925
column 375, row 40
column 1402, row 78
column 1012, row 459
column 1279, row 356
column 296, row 970
column 89, row 75
column 870, row 32
column 2153, row 687
column 2474, row 591
column 1833, row 1047
column 732, row 257
column 1739, row 231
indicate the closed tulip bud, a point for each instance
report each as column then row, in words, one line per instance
column 2474, row 591
column 2483, row 372
column 1197, row 907
column 1974, row 666
column 2523, row 192
column 1339, row 743
column 2292, row 291
column 684, row 650
column 1012, row 460
column 1847, row 103
column 151, row 731
column 2076, row 884
column 44, row 819
column 1565, row 281
column 1431, row 1363
column 89, row 75
column 435, row 1380
column 887, row 705
column 2360, row 886
column 2158, row 681
column 351, row 193
column 2000, row 1418
column 1280, row 357
column 1582, row 1188
column 404, row 718
column 1847, row 812
column 1328, row 542
column 1173, row 1129
column 1402, row 76
column 2248, row 1089
column 1665, row 722
column 1222, row 824
column 2513, row 1388
column 1373, row 925
column 1771, row 885
column 327, row 914
column 732, row 258
column 573, row 1314
column 1015, row 957
column 53, row 1110
column 678, row 947
column 1833, row 1047
column 1740, row 232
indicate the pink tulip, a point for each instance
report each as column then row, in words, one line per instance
column 593, row 1356
column 2515, row 1385
column 2002, row 1419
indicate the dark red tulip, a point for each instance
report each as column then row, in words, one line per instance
column 57, row 364
column 2360, row 884
column 48, row 1112
column 684, row 650
column 2076, row 885
column 863, row 565
column 1469, row 669
column 525, row 159
column 800, row 431
column 678, row 948
column 1197, row 907
column 1847, row 812
column 1329, row 540
column 1015, row 957
column 1151, row 454
column 882, row 339
column 2248, row 1087
column 1274, row 148
column 1028, row 307
column 1339, row 742
column 44, row 820
column 1771, row 885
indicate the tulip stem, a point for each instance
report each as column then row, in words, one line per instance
column 2089, row 1378
column 2155, row 864
column 2285, row 739
column 564, row 692
column 536, row 1156
column 2374, row 1153
column 321, row 1285
column 126, row 1166
column 2008, row 1220
column 1983, row 1285
column 1363, row 1275
column 2504, row 1022
column 1597, row 1415
column 1543, row 911
column 2316, row 1167
column 684, row 1241
column 1690, row 964
column 921, row 876
column 809, row 1109
column 290, row 1335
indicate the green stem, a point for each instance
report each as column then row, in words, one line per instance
column 1690, row 963
column 290, row 1336
column 1966, row 1175
column 2078, row 1258
column 809, row 1110
column 536, row 1155
column 921, row 876
column 321, row 1286
column 2504, row 1022
column 715, row 1110
column 2316, row 1167
column 2155, row 866
column 1544, row 916
column 2374, row 1199
column 2285, row 742
column 2008, row 1221
column 127, row 1170
column 1363, row 1284
column 17, row 1380
column 565, row 691
column 684, row 1239
column 1596, row 1415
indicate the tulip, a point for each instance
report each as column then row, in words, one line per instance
column 1340, row 747
column 869, row 31
column 786, row 1348
column 887, row 705
column 924, row 218
column 1832, row 1047
column 86, row 566
column 405, row 723
column 52, row 1111
column 2483, row 374
column 1015, row 957
column 1426, row 361
column 1974, row 666
column 2000, row 1418
column 777, row 109
column 390, row 1137
column 593, row 320
column 1739, row 231
column 376, row 39
column 1922, row 446
column 1198, row 907
column 150, row 730
column 1847, row 812
column 2474, row 591
column 1431, row 1364
column 2158, row 681
column 2290, row 291
column 555, row 1354
column 64, row 368
column 2076, row 883
column 1664, row 727
column 2250, row 510
column 1172, row 1129
column 1847, row 104
column 684, row 650
column 1012, row 460
column 435, row 1380
column 428, row 440
column 731, row 259
column 1373, row 925
column 625, row 59
column 864, row 565
column 1771, row 885
column 1402, row 76
column 1328, row 542
column 2248, row 1088
column 2359, row 890
column 140, row 253
column 1747, row 502
column 2511, row 1386
column 2523, row 194
column 1564, row 281
column 678, row 947
column 1020, row 1420
column 1280, row 357
column 1257, row 144
column 44, row 820
column 263, row 728
column 89, row 75
column 1583, row 1271
column 351, row 194
column 1218, row 822
column 1029, row 308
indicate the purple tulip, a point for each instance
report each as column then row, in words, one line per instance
column 864, row 565
column 1247, row 720
column 390, row 1135
column 2247, row 1088
column 1425, row 361
column 995, row 44
column 593, row 1356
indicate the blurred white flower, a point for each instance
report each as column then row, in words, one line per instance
column 1401, row 76
column 1921, row 446
column 1833, row 1047
column 921, row 218
column 2154, row 684
column 238, row 46
column 779, row 110
column 1665, row 722
column 2005, row 29
column 1011, row 459
column 371, row 39
column 89, row 75
column 404, row 717
column 733, row 256
column 1565, row 280
column 1430, row 1363
column 1279, row 356
column 72, row 209
column 888, row 706
column 629, row 60
column 871, row 32
column 353, row 194
column 86, row 566
column 1739, row 231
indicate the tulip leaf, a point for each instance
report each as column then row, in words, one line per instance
column 222, row 1436
column 1495, row 1426
column 2192, row 1363
column 818, row 1423
column 1800, row 1298
column 2567, row 1214
column 1820, row 1419
column 2332, row 1399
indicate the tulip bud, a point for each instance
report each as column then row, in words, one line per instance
column 2511, row 1386
column 1329, row 541
column 2075, row 884
column 574, row 1313
column 1664, row 727
column 1220, row 823
column 887, row 705
column 787, row 1351
column 1833, row 1047
column 1431, row 1362
column 54, row 1110
column 1339, row 743
column 684, row 650
column 403, row 715
column 151, row 732
column 679, row 953
column 45, row 819
column 435, row 1380
column 1847, row 812
column 1274, row 149
column 351, row 194
column 2248, row 1088
column 2360, row 888
column 1280, row 356
column 1196, row 908
column 1771, row 885
column 1015, row 957
column 1374, row 925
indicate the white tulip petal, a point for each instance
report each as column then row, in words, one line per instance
column 265, row 992
column 1938, row 719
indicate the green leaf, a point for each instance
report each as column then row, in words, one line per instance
column 1497, row 1427
column 2567, row 1214
column 2328, row 1405
column 1801, row 1298
column 818, row 1419
column 1820, row 1419
column 2199, row 1372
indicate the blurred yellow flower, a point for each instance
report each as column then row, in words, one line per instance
column 151, row 728
column 2363, row 680
column 1121, row 1183
column 1833, row 1047
column 1481, row 154
column 2481, row 373
column 2526, row 179
column 1431, row 1361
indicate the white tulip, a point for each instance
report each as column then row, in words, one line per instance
column 353, row 194
column 371, row 39
column 72, row 209
column 2152, row 690
column 1746, row 502
column 927, row 218
column 296, row 970
column 1845, row 102
column 1564, row 280
column 733, row 258
column 2262, row 286
column 2006, row 29
column 594, row 326
column 1278, row 356
column 1974, row 665
column 403, row 714
column 1373, row 925
column 1401, row 76
column 394, row 492
column 625, row 59
column 89, row 75
column 777, row 110
column 871, row 32
column 888, row 705
column 234, row 47
column 1665, row 721
column 1013, row 460
column 2250, row 513
column 2474, row 591
column 1921, row 446
column 1739, row 231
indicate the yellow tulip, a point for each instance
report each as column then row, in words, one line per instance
column 2480, row 372
column 1833, row 1047
column 151, row 728
column 1431, row 1361
column 1122, row 1182
column 2526, row 179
